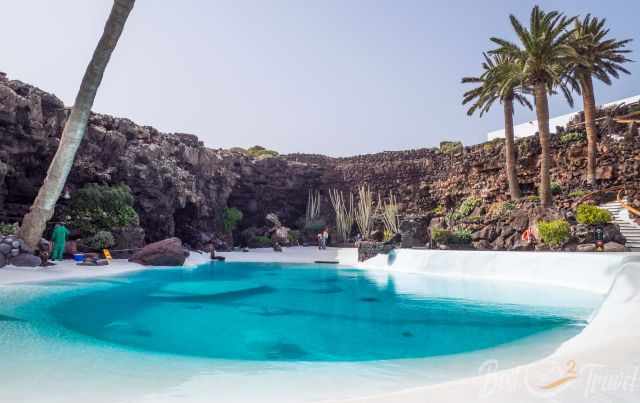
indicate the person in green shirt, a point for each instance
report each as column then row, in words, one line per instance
column 59, row 238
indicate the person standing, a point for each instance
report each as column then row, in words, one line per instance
column 325, row 238
column 59, row 238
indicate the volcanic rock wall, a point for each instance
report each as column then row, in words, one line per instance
column 181, row 187
column 426, row 178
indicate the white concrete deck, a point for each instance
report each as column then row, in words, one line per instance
column 68, row 268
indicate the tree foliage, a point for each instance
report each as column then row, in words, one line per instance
column 230, row 218
column 96, row 208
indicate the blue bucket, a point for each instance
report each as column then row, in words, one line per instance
column 78, row 257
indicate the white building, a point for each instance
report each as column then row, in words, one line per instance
column 530, row 128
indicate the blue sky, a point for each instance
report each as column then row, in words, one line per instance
column 338, row 77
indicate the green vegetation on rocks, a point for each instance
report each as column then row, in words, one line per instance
column 259, row 151
column 8, row 229
column 592, row 215
column 450, row 147
column 96, row 208
column 466, row 208
column 457, row 237
column 101, row 240
column 231, row 217
column 554, row 233
column 571, row 137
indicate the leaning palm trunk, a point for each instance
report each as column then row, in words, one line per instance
column 509, row 151
column 588, row 98
column 542, row 113
column 42, row 210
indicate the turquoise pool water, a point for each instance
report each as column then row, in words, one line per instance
column 276, row 312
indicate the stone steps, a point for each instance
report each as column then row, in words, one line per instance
column 628, row 228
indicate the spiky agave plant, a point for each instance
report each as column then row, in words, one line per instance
column 344, row 213
column 389, row 211
column 313, row 207
column 364, row 211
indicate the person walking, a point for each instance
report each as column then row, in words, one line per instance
column 325, row 238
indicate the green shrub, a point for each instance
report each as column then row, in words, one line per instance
column 556, row 188
column 259, row 151
column 8, row 229
column 438, row 210
column 230, row 218
column 460, row 237
column 592, row 215
column 570, row 137
column 440, row 235
column 101, row 240
column 96, row 208
column 534, row 198
column 554, row 233
column 450, row 147
column 468, row 205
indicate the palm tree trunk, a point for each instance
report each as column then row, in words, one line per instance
column 41, row 211
column 588, row 98
column 542, row 113
column 509, row 151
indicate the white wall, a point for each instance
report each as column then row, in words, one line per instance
column 593, row 272
column 530, row 128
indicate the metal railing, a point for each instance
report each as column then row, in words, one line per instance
column 619, row 192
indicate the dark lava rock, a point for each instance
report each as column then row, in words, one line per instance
column 25, row 260
column 168, row 252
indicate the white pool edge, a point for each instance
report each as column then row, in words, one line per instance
column 606, row 345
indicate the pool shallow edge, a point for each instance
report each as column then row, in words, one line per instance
column 607, row 346
column 603, row 361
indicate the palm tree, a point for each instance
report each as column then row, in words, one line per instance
column 595, row 56
column 502, row 80
column 41, row 211
column 545, row 55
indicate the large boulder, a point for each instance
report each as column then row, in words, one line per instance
column 25, row 260
column 414, row 230
column 15, row 252
column 168, row 252
column 614, row 247
column 612, row 234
